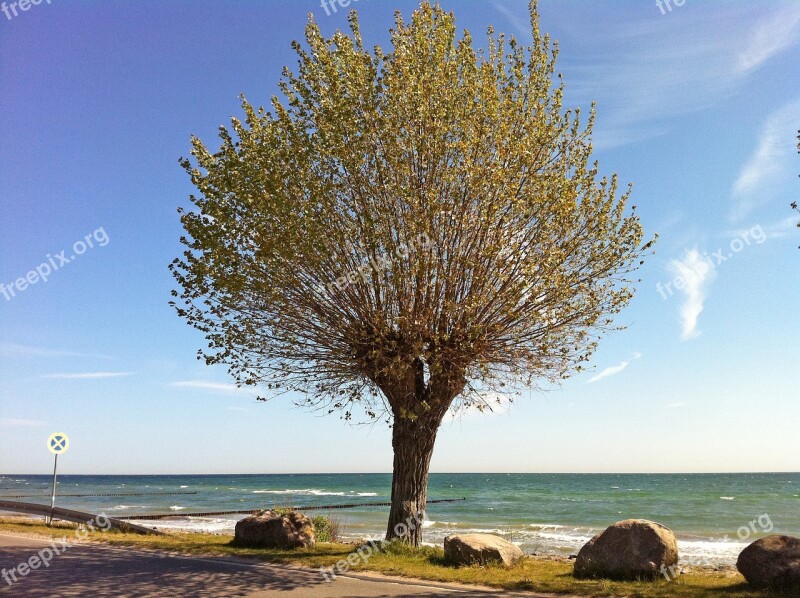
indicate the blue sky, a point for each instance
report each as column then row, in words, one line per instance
column 697, row 105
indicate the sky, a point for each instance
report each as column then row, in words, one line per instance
column 698, row 105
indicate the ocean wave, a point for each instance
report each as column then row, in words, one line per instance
column 538, row 538
column 176, row 508
column 571, row 539
column 727, row 497
column 545, row 526
column 305, row 491
column 430, row 523
column 709, row 552
column 367, row 494
column 217, row 525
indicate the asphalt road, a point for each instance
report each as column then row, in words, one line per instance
column 98, row 571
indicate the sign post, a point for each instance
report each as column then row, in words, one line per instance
column 57, row 443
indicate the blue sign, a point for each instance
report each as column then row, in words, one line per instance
column 58, row 443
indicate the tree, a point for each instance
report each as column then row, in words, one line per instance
column 407, row 233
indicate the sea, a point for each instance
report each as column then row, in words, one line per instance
column 714, row 516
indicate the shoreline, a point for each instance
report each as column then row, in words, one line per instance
column 694, row 550
column 713, row 516
column 685, row 565
column 544, row 574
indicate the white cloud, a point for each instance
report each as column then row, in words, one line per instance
column 487, row 403
column 10, row 422
column 88, row 375
column 771, row 36
column 645, row 70
column 206, row 385
column 697, row 274
column 614, row 369
column 771, row 162
column 522, row 26
column 15, row 350
column 783, row 228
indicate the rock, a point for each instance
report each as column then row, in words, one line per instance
column 269, row 529
column 772, row 562
column 630, row 549
column 469, row 549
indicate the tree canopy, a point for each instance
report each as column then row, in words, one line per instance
column 404, row 231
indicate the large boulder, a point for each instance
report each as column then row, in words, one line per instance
column 269, row 529
column 771, row 562
column 630, row 549
column 470, row 549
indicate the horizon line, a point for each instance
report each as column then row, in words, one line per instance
column 432, row 473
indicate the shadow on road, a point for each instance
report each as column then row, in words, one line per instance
column 101, row 572
column 87, row 571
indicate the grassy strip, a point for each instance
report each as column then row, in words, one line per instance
column 541, row 574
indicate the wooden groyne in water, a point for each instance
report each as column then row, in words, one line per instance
column 152, row 516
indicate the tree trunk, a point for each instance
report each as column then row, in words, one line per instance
column 413, row 442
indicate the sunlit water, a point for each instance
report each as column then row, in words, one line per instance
column 713, row 515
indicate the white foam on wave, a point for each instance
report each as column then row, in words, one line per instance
column 306, row 491
column 195, row 524
column 367, row 494
column 545, row 526
column 727, row 497
column 559, row 541
column 439, row 523
column 709, row 552
column 176, row 508
column 536, row 538
column 485, row 530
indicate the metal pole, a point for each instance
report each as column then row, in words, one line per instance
column 53, row 497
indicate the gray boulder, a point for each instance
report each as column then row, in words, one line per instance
column 269, row 529
column 772, row 562
column 630, row 549
column 483, row 549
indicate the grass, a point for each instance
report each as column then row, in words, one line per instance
column 542, row 574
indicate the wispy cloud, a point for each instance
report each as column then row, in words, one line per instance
column 487, row 403
column 520, row 24
column 614, row 369
column 772, row 35
column 778, row 229
column 645, row 70
column 15, row 350
column 10, row 422
column 88, row 375
column 697, row 275
column 770, row 165
column 782, row 228
column 218, row 387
